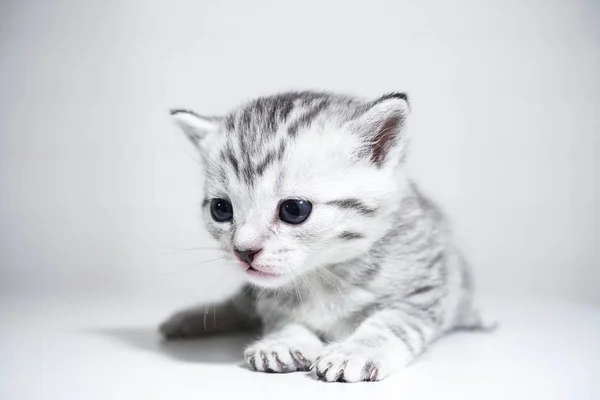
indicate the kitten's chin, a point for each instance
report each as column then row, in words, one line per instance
column 257, row 273
column 268, row 282
column 267, row 279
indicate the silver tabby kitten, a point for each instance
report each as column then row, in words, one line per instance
column 351, row 270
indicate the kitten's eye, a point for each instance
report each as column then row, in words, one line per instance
column 294, row 211
column 221, row 210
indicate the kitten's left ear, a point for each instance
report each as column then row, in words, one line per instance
column 195, row 127
column 381, row 128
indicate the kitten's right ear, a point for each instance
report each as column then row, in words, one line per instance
column 195, row 127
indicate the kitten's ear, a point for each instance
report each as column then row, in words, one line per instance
column 195, row 127
column 381, row 126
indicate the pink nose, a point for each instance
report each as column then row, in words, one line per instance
column 247, row 256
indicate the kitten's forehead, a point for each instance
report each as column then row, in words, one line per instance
column 275, row 130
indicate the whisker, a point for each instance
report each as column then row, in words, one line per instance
column 306, row 281
column 173, row 250
column 339, row 278
column 297, row 290
column 330, row 282
column 258, row 295
column 192, row 266
column 245, row 293
column 327, row 280
column 274, row 307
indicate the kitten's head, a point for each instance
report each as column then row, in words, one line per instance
column 299, row 181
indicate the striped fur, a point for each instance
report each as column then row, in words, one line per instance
column 371, row 278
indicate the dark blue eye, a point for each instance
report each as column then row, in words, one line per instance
column 294, row 211
column 221, row 210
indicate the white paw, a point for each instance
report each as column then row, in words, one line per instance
column 356, row 362
column 283, row 355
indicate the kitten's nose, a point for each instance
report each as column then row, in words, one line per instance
column 247, row 256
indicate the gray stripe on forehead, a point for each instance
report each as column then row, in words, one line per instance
column 281, row 106
column 353, row 204
column 306, row 119
column 230, row 122
column 270, row 158
column 254, row 166
column 264, row 114
column 228, row 156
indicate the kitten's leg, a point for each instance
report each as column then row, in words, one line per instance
column 287, row 349
column 233, row 315
column 385, row 342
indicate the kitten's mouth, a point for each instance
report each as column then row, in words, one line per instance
column 260, row 274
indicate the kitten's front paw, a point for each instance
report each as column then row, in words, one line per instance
column 355, row 362
column 273, row 355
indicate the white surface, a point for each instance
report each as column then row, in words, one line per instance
column 99, row 190
column 97, row 184
column 109, row 349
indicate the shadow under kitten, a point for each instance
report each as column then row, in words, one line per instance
column 214, row 349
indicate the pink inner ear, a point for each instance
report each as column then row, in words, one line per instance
column 384, row 139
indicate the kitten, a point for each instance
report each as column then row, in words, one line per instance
column 351, row 270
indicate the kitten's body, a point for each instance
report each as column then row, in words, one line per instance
column 428, row 272
column 370, row 279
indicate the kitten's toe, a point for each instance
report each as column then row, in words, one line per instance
column 347, row 362
column 270, row 359
column 302, row 363
column 267, row 356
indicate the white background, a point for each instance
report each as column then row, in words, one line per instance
column 99, row 191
